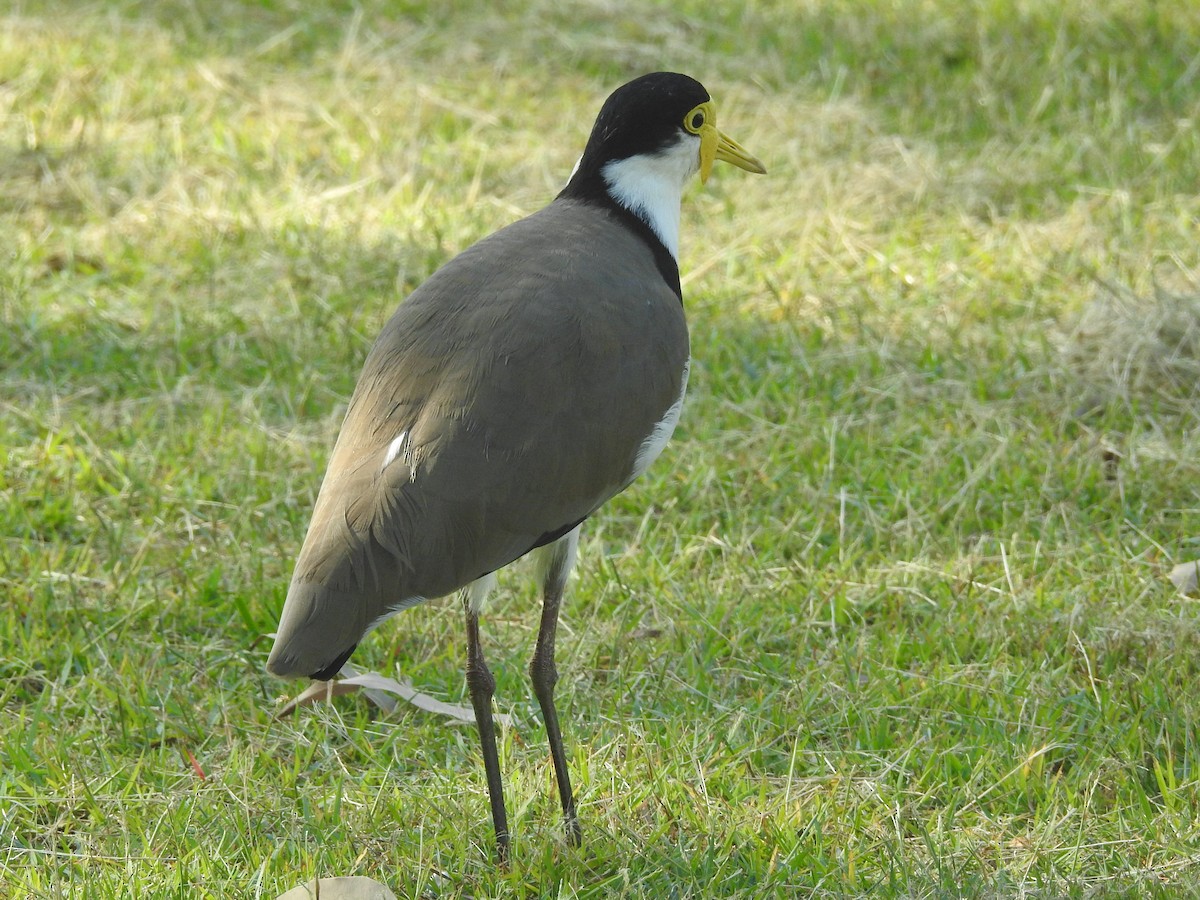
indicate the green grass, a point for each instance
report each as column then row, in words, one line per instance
column 889, row 618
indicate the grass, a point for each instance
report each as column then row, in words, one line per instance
column 889, row 618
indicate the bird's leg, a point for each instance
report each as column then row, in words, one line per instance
column 482, row 686
column 558, row 559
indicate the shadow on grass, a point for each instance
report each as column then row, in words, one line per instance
column 934, row 65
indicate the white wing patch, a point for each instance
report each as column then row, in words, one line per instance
column 657, row 439
column 395, row 448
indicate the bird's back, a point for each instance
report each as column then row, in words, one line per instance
column 506, row 399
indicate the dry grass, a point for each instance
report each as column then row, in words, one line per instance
column 1136, row 349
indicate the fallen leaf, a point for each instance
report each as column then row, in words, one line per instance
column 1111, row 458
column 373, row 681
column 315, row 692
column 378, row 689
column 1186, row 577
column 639, row 634
column 354, row 887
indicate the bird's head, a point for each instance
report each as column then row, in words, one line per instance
column 651, row 136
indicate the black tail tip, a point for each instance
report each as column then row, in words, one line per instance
column 334, row 667
column 288, row 665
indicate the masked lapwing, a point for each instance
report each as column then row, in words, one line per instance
column 530, row 379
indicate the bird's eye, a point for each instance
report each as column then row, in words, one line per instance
column 695, row 119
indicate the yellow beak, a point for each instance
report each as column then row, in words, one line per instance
column 716, row 145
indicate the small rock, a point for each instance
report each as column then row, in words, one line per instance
column 1186, row 577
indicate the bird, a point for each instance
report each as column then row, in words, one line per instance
column 526, row 382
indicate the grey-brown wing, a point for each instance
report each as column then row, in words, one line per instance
column 506, row 399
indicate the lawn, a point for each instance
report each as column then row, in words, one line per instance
column 890, row 617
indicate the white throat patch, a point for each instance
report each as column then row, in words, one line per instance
column 651, row 186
